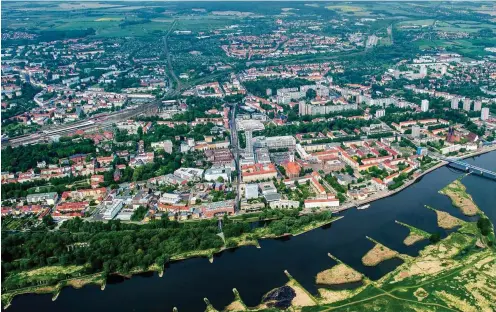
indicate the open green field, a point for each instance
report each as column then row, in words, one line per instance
column 421, row 22
column 112, row 25
column 463, row 26
column 349, row 9
column 466, row 47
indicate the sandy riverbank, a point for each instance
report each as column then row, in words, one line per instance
column 412, row 238
column 414, row 235
column 447, row 221
column 457, row 192
column 338, row 274
column 378, row 254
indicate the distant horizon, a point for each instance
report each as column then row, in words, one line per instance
column 169, row 1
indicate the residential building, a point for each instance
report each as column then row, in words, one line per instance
column 416, row 131
column 380, row 113
column 477, row 106
column 258, row 172
column 189, row 174
column 44, row 198
column 454, row 103
column 251, row 191
column 113, row 209
column 214, row 173
column 485, row 113
column 318, row 109
column 466, row 104
column 424, row 105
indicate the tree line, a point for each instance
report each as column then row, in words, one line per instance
column 121, row 247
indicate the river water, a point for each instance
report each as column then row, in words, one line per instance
column 255, row 271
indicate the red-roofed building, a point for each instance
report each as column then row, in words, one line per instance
column 258, row 172
column 72, row 207
column 292, row 169
column 96, row 180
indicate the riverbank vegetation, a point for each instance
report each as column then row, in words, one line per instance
column 378, row 254
column 445, row 220
column 81, row 248
column 454, row 274
column 338, row 274
column 457, row 192
column 415, row 235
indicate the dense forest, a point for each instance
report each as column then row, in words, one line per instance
column 117, row 247
column 22, row 158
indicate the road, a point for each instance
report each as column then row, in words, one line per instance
column 235, row 149
column 172, row 74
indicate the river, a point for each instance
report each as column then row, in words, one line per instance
column 255, row 271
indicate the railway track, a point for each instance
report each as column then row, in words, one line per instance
column 93, row 123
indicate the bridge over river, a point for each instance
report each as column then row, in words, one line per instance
column 461, row 165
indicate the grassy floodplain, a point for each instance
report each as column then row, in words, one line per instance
column 457, row 192
column 445, row 220
column 50, row 280
column 455, row 274
column 378, row 254
column 451, row 275
column 415, row 234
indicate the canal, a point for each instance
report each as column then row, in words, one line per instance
column 255, row 271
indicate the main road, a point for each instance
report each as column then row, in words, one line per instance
column 235, row 149
column 172, row 75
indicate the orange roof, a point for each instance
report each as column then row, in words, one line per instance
column 292, row 168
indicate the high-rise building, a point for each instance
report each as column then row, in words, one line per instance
column 454, row 103
column 416, row 131
column 249, row 143
column 466, row 104
column 380, row 113
column 477, row 106
column 425, row 105
column 423, row 71
column 168, row 146
column 485, row 113
column 311, row 109
column 444, row 69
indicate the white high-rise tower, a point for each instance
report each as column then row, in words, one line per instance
column 485, row 113
column 425, row 105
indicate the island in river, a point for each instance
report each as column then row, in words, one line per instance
column 253, row 272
